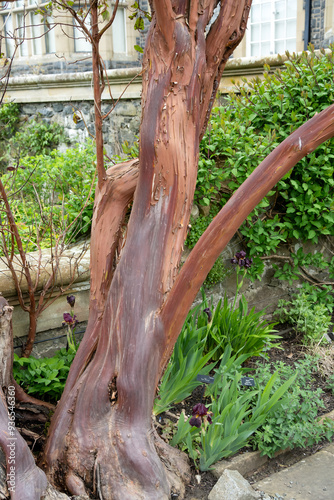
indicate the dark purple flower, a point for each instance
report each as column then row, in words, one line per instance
column 208, row 312
column 200, row 412
column 70, row 320
column 241, row 260
column 195, row 422
column 71, row 300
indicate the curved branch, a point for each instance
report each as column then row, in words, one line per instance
column 285, row 156
column 111, row 20
column 111, row 204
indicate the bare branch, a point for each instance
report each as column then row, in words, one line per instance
column 111, row 20
column 224, row 36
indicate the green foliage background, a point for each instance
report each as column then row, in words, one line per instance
column 242, row 132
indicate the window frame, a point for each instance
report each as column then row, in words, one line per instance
column 26, row 10
column 273, row 21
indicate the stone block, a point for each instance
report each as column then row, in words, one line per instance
column 244, row 463
column 58, row 107
column 46, row 112
column 194, row 212
column 232, row 486
column 29, row 109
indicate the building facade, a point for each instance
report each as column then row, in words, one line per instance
column 275, row 26
column 56, row 44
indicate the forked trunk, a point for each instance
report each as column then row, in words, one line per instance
column 101, row 437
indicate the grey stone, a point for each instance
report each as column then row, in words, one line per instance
column 204, row 210
column 232, row 486
column 126, row 109
column 244, row 463
column 80, row 125
column 47, row 112
column 58, row 107
column 29, row 109
column 68, row 110
column 194, row 212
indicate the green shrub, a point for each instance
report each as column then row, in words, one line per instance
column 9, row 120
column 293, row 424
column 44, row 377
column 307, row 315
column 247, row 128
column 36, row 138
column 50, row 193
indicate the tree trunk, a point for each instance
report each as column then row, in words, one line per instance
column 101, row 439
column 101, row 433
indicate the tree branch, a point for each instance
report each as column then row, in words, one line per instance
column 165, row 17
column 111, row 20
column 224, row 36
column 285, row 156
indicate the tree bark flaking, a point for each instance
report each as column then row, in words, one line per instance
column 101, row 433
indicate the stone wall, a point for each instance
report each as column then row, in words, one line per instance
column 121, row 125
column 58, row 67
column 317, row 23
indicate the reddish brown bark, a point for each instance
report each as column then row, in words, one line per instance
column 101, row 436
column 101, row 432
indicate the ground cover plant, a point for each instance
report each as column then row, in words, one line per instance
column 309, row 316
column 44, row 378
column 295, row 424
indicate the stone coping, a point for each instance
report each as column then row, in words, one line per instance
column 73, row 261
column 79, row 86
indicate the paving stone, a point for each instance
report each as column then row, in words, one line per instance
column 312, row 478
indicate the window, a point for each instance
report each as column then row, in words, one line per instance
column 36, row 34
column 22, row 33
column 22, row 26
column 8, row 29
column 272, row 27
column 81, row 44
column 50, row 39
column 119, row 32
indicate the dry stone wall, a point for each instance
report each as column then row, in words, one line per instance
column 121, row 125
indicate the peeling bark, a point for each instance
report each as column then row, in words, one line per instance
column 101, row 439
column 101, row 435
